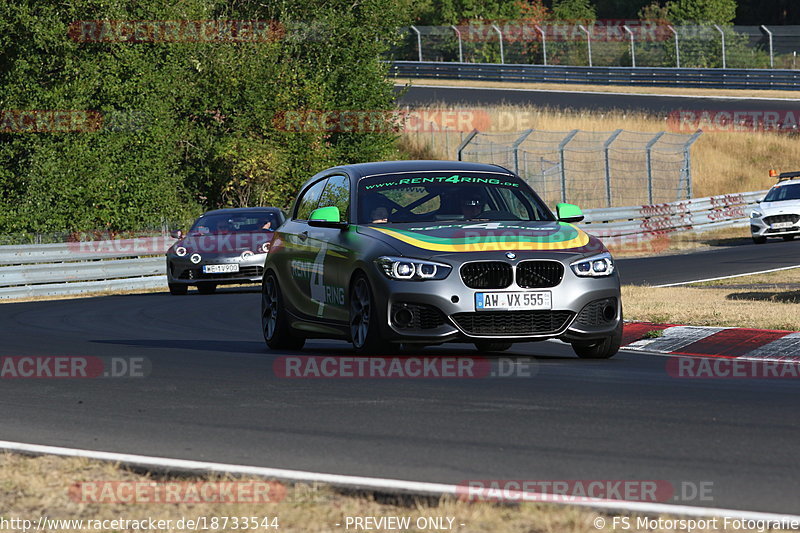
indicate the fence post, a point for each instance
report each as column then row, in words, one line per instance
column 688, row 162
column 419, row 43
column 465, row 142
column 460, row 48
column 544, row 43
column 561, row 146
column 771, row 56
column 500, row 34
column 724, row 59
column 606, row 147
column 677, row 48
column 649, row 149
column 633, row 50
column 516, row 144
column 588, row 42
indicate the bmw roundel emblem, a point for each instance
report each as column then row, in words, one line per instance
column 511, row 255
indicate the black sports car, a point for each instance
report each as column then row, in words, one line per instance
column 428, row 252
column 223, row 246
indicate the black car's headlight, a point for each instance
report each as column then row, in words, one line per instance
column 412, row 269
column 596, row 266
column 180, row 251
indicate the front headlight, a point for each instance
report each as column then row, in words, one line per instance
column 756, row 214
column 596, row 266
column 180, row 251
column 412, row 269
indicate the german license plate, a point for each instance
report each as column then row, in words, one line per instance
column 781, row 225
column 512, row 301
column 219, row 269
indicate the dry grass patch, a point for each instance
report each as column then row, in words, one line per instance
column 763, row 301
column 37, row 486
column 566, row 87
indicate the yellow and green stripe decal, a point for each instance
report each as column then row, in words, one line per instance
column 566, row 237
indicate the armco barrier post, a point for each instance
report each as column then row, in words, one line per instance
column 515, row 147
column 465, row 142
column 419, row 43
column 460, row 47
column 561, row 146
column 606, row 147
column 771, row 55
column 687, row 162
column 649, row 157
column 544, row 43
column 588, row 41
column 677, row 47
column 633, row 49
column 500, row 36
column 722, row 34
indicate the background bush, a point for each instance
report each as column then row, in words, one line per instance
column 187, row 126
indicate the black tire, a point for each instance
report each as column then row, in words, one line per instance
column 788, row 237
column 365, row 331
column 206, row 288
column 178, row 289
column 602, row 349
column 492, row 346
column 759, row 240
column 278, row 334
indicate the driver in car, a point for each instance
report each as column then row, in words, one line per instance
column 471, row 205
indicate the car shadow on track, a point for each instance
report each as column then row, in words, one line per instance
column 226, row 346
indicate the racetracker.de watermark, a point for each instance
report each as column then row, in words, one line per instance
column 583, row 490
column 71, row 121
column 733, row 121
column 724, row 368
column 72, row 367
column 405, row 367
column 174, row 492
column 175, row 31
column 601, row 30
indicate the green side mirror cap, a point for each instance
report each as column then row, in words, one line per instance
column 569, row 213
column 326, row 214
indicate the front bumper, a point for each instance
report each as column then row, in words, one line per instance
column 445, row 311
column 764, row 227
column 181, row 270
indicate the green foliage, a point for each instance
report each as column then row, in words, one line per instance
column 446, row 12
column 573, row 10
column 702, row 11
column 186, row 125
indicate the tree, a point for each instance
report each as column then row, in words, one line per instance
column 573, row 10
column 184, row 125
column 702, row 11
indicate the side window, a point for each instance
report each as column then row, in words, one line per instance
column 309, row 201
column 337, row 193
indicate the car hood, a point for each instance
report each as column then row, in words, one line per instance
column 484, row 237
column 224, row 244
column 788, row 207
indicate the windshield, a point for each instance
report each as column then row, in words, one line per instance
column 235, row 223
column 438, row 196
column 779, row 193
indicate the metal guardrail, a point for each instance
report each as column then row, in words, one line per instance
column 124, row 264
column 786, row 80
column 82, row 267
column 617, row 225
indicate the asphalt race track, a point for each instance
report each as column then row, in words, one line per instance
column 654, row 104
column 212, row 395
column 710, row 263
